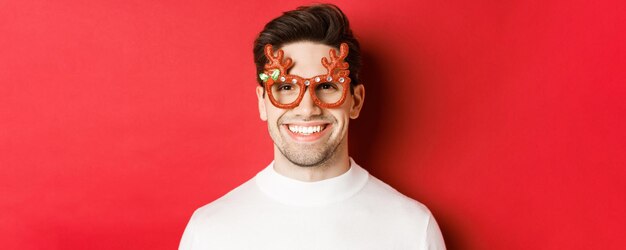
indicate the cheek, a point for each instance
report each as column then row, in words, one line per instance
column 342, row 116
column 272, row 119
column 273, row 114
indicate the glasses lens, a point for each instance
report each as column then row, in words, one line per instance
column 285, row 93
column 329, row 92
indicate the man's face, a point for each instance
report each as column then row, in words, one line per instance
column 309, row 135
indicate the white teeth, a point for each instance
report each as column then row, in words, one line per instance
column 305, row 130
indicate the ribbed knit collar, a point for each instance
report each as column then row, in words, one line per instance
column 300, row 193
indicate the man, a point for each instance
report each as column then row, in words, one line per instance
column 313, row 196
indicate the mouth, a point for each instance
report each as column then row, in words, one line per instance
column 307, row 132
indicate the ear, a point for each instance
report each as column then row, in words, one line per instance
column 357, row 101
column 261, row 100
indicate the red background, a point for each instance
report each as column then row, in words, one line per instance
column 119, row 118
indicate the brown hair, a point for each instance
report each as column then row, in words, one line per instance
column 323, row 23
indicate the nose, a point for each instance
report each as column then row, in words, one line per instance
column 307, row 106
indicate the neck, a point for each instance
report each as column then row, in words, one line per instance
column 338, row 164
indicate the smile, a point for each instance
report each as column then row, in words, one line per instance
column 306, row 130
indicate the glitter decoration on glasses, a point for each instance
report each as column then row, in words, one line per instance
column 286, row 91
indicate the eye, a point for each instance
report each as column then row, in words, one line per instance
column 285, row 87
column 327, row 86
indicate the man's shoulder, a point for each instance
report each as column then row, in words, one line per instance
column 392, row 200
column 237, row 197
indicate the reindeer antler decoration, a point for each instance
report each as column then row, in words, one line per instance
column 336, row 61
column 276, row 63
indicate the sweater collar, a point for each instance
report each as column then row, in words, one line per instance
column 300, row 193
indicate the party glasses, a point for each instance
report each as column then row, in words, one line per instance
column 286, row 91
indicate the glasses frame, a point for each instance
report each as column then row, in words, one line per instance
column 337, row 70
column 312, row 82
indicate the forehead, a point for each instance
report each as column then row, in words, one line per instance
column 307, row 58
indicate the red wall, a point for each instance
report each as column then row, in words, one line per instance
column 506, row 118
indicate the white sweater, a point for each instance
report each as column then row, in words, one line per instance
column 352, row 211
